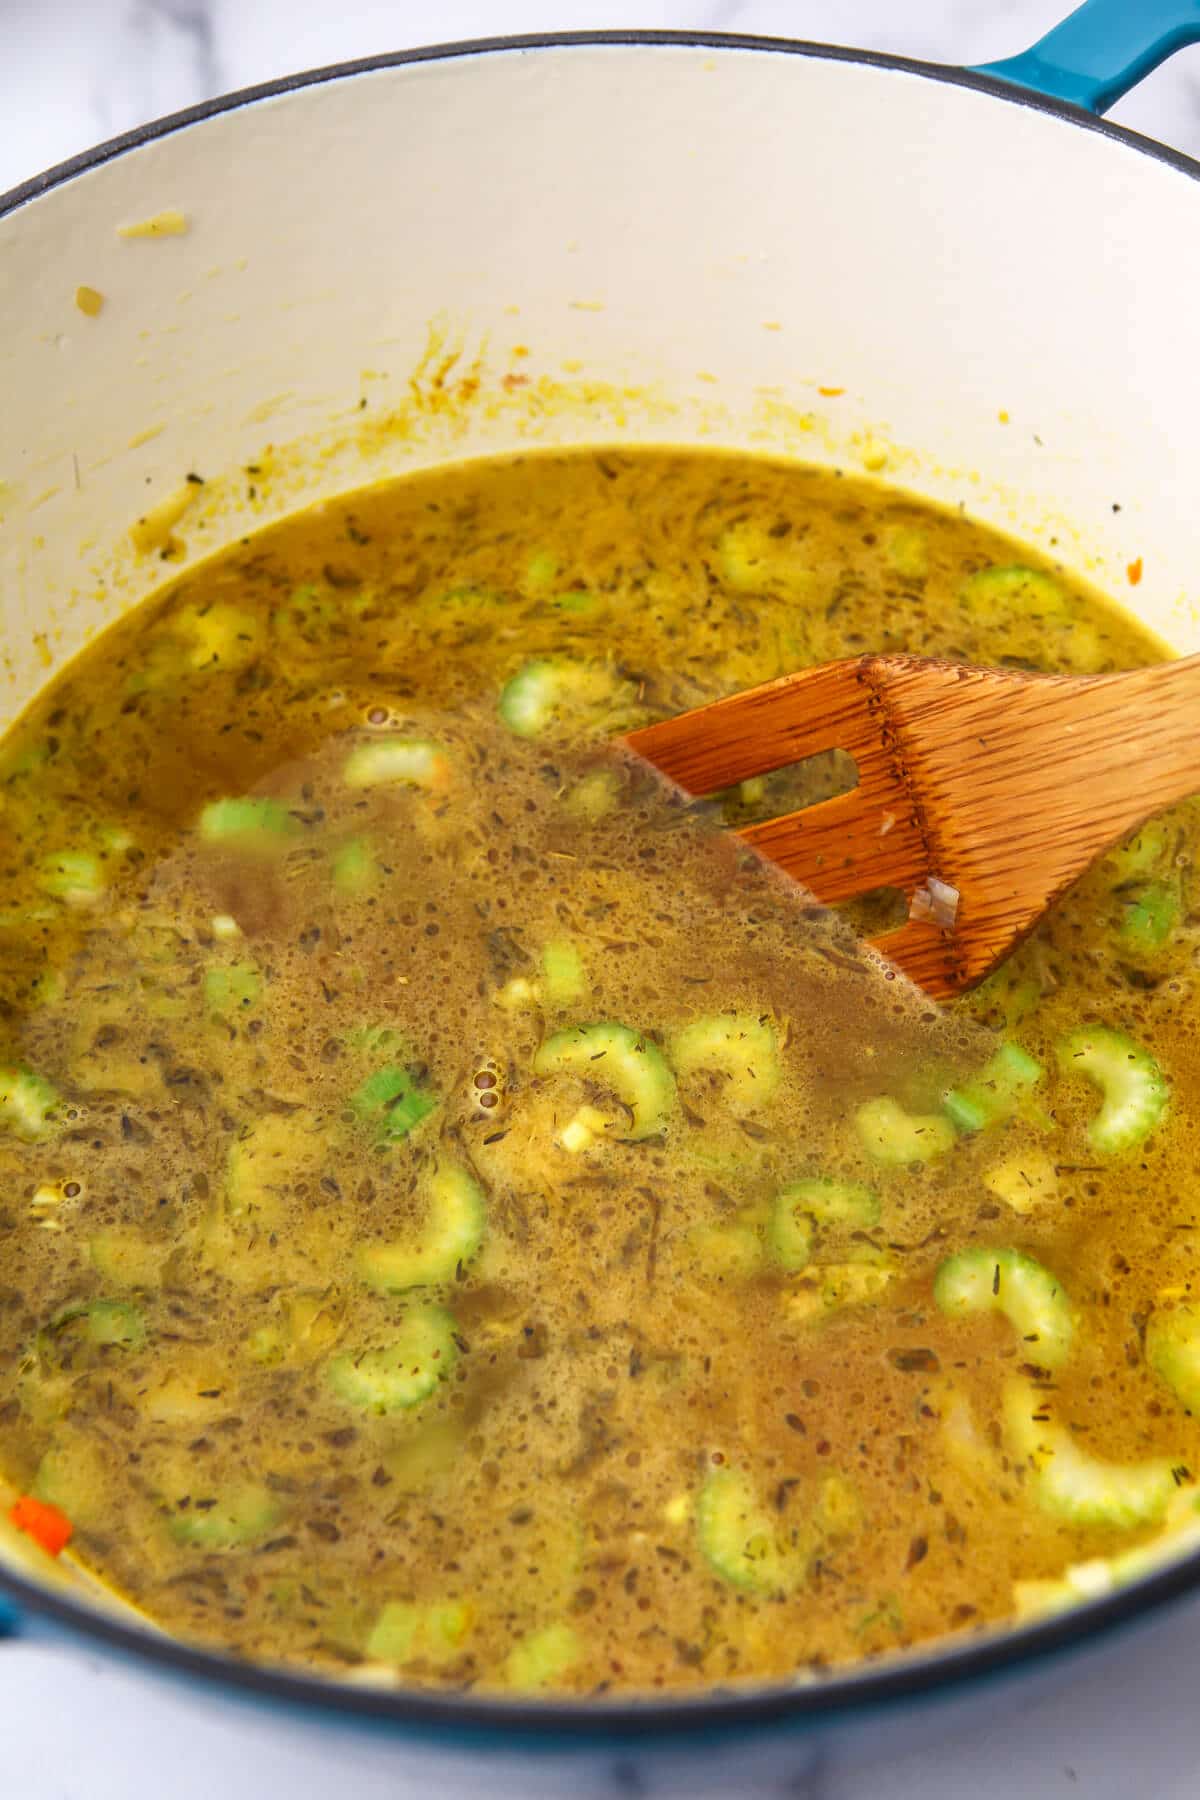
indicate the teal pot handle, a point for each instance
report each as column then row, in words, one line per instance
column 10, row 1619
column 1102, row 50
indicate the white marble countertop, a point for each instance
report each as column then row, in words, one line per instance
column 72, row 1727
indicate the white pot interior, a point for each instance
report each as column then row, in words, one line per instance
column 589, row 242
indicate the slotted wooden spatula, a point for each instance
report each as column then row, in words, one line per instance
column 983, row 791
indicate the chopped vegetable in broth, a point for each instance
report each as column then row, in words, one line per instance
column 465, row 1216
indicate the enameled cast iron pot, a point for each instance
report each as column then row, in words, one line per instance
column 960, row 278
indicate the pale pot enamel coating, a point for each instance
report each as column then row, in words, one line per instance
column 978, row 294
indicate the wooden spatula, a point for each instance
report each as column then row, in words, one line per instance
column 982, row 793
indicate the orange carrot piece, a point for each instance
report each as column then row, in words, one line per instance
column 43, row 1523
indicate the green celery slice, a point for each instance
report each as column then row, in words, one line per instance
column 619, row 1058
column 1135, row 1090
column 452, row 1235
column 984, row 1280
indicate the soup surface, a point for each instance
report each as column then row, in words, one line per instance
column 463, row 1216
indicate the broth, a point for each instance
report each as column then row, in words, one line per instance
column 466, row 1217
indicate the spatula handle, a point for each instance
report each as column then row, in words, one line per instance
column 1138, row 735
column 1047, row 770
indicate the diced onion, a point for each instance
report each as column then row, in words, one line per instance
column 936, row 903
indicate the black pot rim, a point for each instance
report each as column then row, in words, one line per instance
column 466, row 1720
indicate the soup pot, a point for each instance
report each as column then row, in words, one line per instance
column 960, row 280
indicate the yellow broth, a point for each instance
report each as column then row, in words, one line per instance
column 448, row 1221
